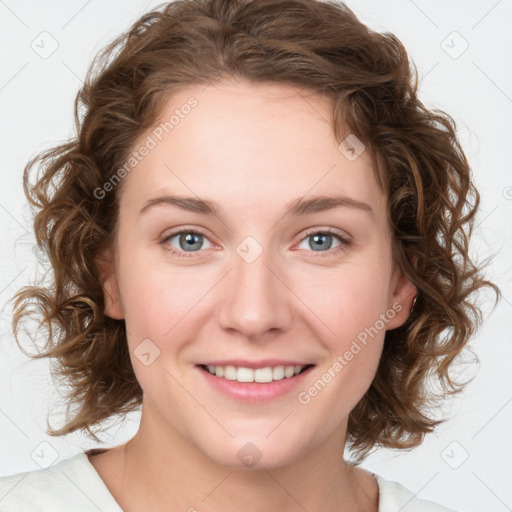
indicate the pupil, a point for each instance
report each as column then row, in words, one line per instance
column 318, row 240
column 189, row 239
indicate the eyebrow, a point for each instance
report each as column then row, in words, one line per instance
column 297, row 207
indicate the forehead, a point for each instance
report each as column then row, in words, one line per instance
column 248, row 143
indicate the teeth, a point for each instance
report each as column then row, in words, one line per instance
column 278, row 372
column 289, row 371
column 229, row 373
column 243, row 374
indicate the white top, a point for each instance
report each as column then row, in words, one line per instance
column 74, row 485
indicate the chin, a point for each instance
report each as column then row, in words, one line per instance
column 253, row 453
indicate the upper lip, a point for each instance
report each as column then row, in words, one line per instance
column 254, row 364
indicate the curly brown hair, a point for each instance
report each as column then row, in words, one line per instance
column 318, row 46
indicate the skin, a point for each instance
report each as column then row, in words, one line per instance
column 251, row 148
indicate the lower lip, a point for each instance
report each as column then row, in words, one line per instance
column 254, row 391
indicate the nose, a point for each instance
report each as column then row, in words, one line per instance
column 254, row 297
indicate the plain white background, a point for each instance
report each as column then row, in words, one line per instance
column 463, row 52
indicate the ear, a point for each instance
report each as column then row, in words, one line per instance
column 401, row 299
column 106, row 264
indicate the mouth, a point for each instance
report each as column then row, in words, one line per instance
column 260, row 375
column 256, row 385
column 255, row 382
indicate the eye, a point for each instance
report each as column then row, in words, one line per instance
column 190, row 241
column 323, row 240
column 187, row 240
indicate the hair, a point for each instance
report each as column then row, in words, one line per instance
column 312, row 45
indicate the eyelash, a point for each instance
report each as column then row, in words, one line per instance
column 345, row 242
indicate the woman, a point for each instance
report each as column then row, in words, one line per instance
column 260, row 235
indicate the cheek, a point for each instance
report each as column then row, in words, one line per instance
column 348, row 299
column 143, row 306
column 165, row 305
column 354, row 307
column 155, row 295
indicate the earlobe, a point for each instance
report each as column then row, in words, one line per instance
column 403, row 296
column 110, row 285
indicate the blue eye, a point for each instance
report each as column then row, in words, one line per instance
column 322, row 239
column 190, row 241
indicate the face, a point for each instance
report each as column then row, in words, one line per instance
column 262, row 283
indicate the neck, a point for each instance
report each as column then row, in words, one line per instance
column 162, row 470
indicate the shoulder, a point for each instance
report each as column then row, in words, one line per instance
column 394, row 497
column 71, row 484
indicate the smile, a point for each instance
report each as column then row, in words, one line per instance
column 254, row 381
column 261, row 375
